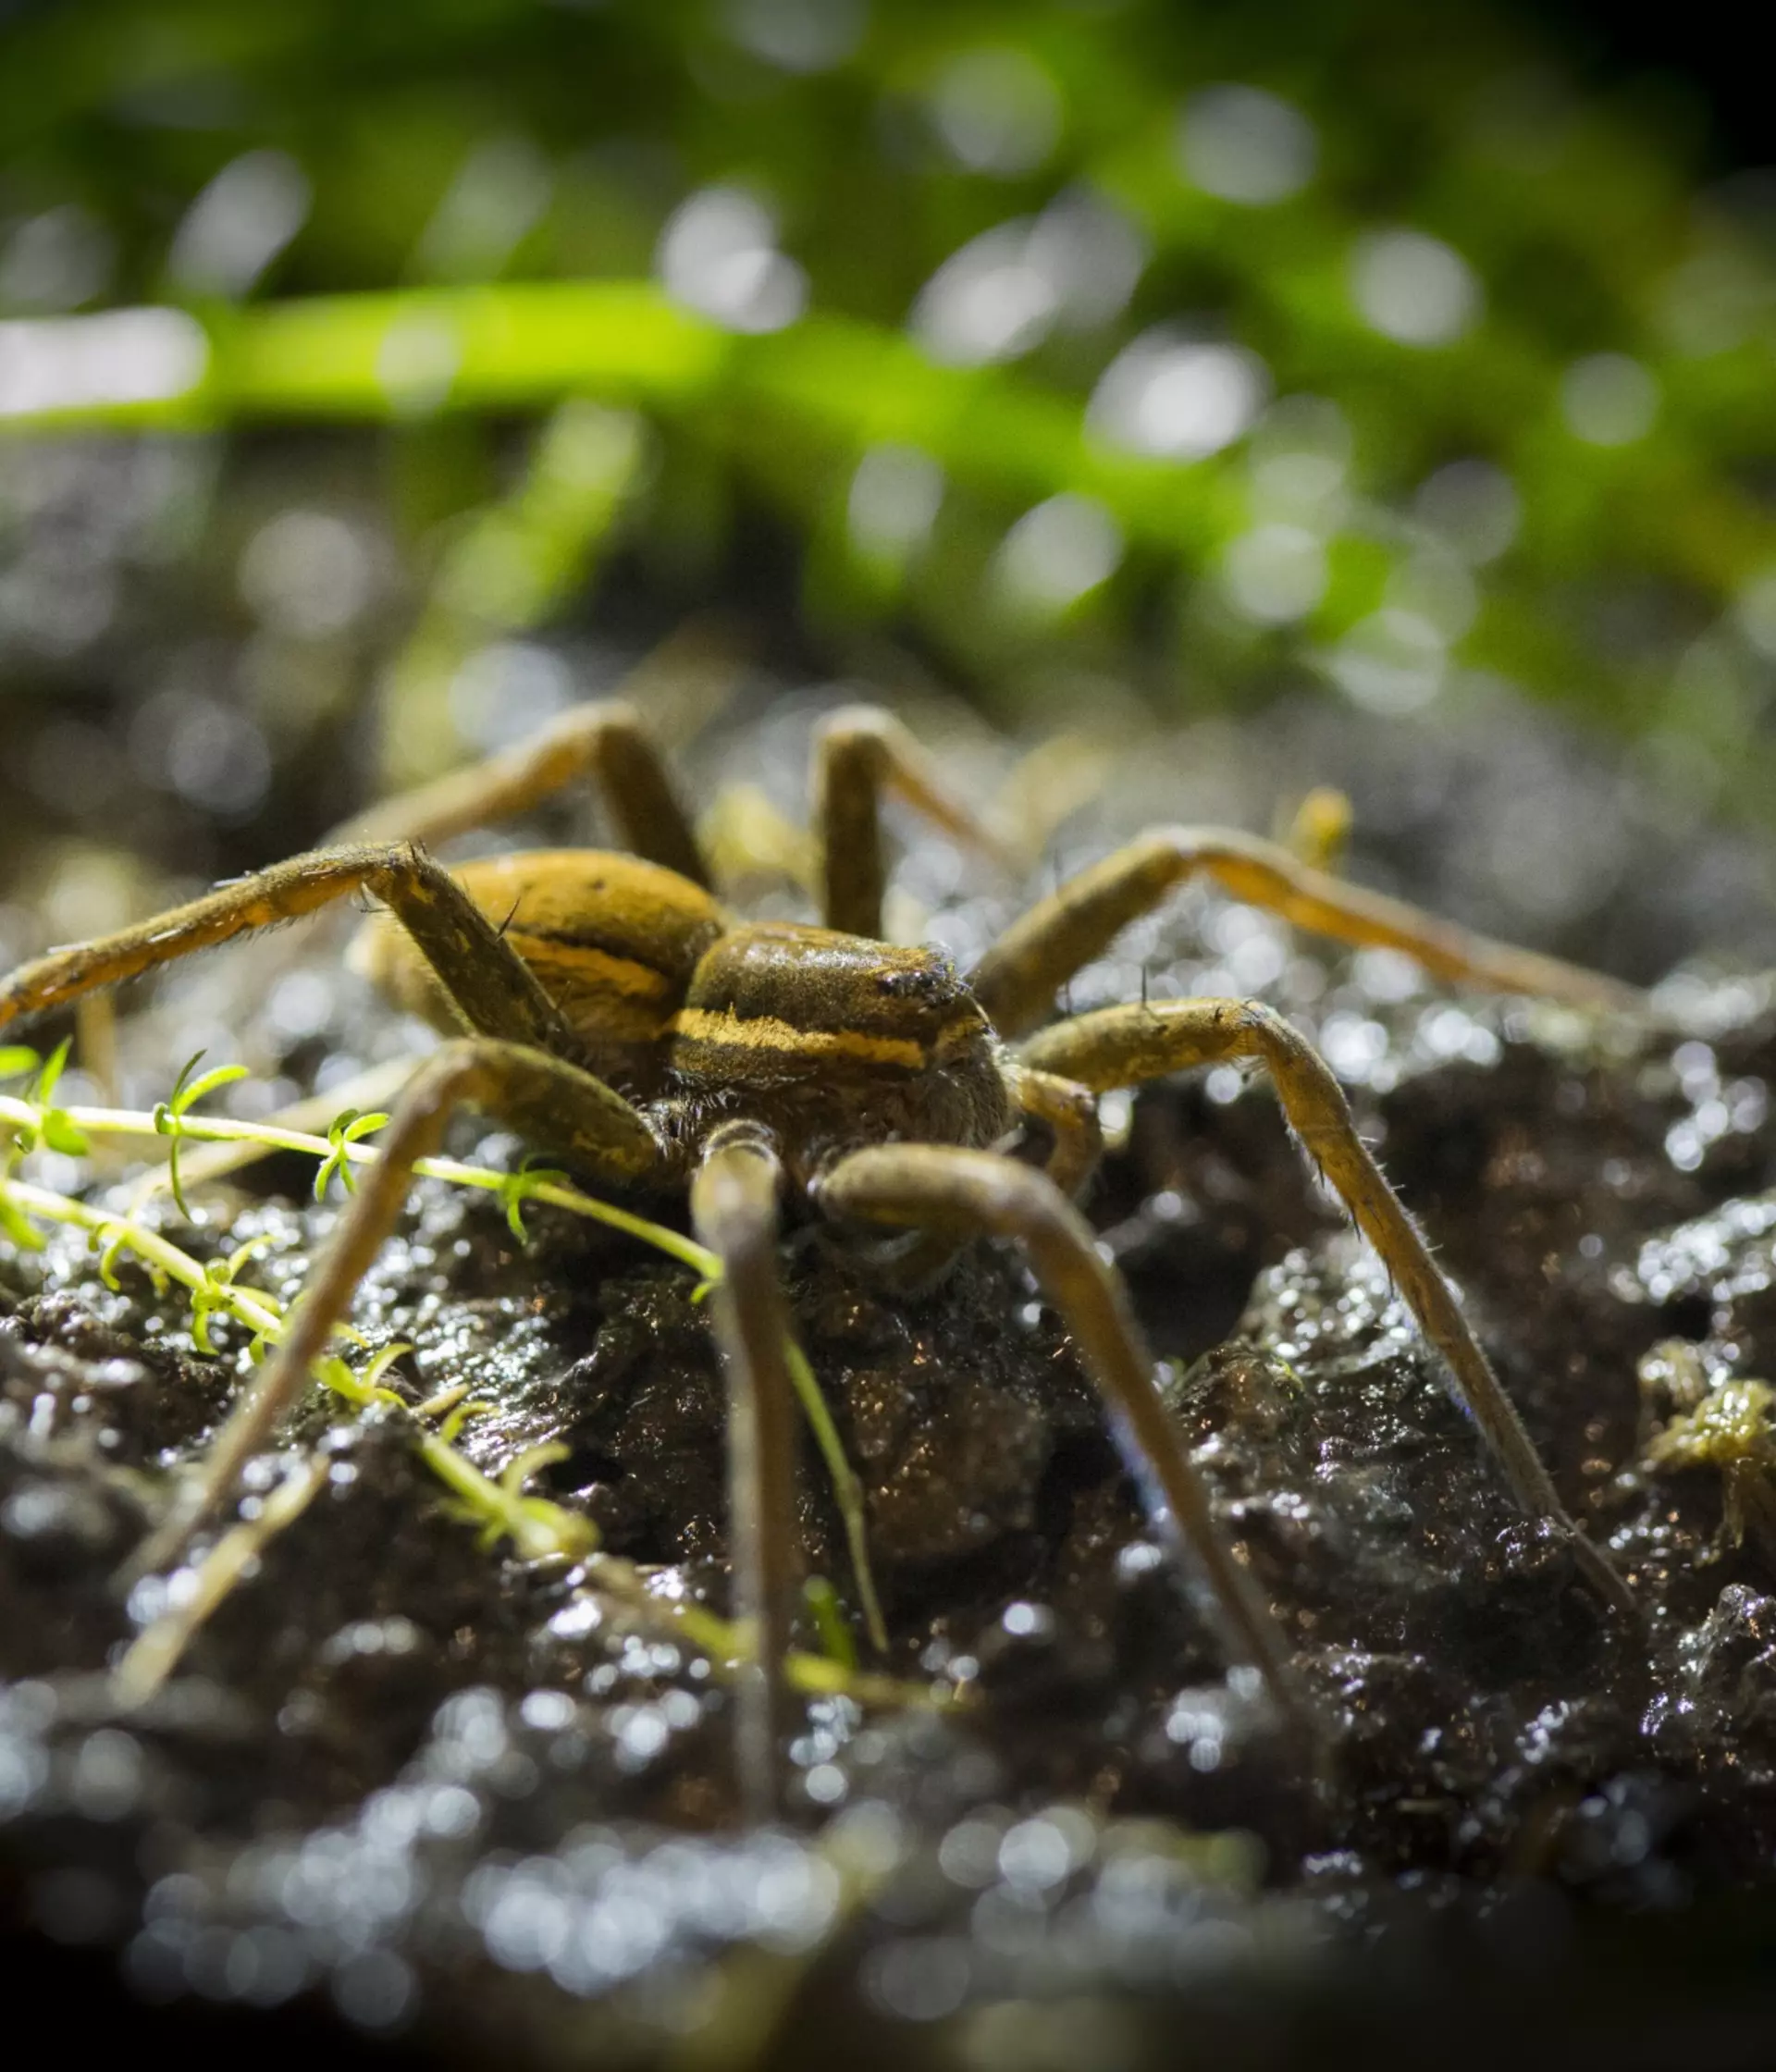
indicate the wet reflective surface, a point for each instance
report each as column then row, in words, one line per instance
column 444, row 1796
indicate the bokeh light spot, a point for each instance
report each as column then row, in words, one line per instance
column 998, row 111
column 507, row 690
column 988, row 302
column 1474, row 505
column 1608, row 399
column 1073, row 267
column 718, row 253
column 1435, row 585
column 125, row 356
column 1056, row 553
column 894, row 499
column 1392, row 663
column 498, row 196
column 206, row 751
column 798, row 35
column 1245, row 145
column 1274, row 573
column 1178, row 398
column 56, row 261
column 417, row 362
column 1755, row 608
column 1414, row 288
column 239, row 224
column 306, row 573
column 1092, row 255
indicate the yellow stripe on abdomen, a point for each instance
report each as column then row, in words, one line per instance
column 589, row 966
column 765, row 1033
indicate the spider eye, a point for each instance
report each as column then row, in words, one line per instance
column 931, row 981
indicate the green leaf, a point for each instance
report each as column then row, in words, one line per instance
column 50, row 1073
column 380, row 1364
column 830, row 1623
column 347, row 1128
column 115, row 1247
column 169, row 1115
column 18, row 1058
column 13, row 1221
column 520, row 1186
column 60, row 1134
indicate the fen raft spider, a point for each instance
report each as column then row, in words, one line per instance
column 606, row 1008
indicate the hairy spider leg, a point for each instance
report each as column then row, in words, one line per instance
column 1069, row 1111
column 972, row 1193
column 1122, row 1046
column 544, row 1098
column 605, row 743
column 492, row 988
column 860, row 753
column 734, row 1209
column 1018, row 976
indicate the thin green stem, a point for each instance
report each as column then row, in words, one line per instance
column 221, row 1129
column 846, row 1489
column 218, row 1292
column 156, row 1252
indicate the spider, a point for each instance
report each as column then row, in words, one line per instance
column 606, row 1006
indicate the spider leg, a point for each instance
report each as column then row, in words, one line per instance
column 1122, row 1046
column 734, row 1207
column 542, row 1097
column 606, row 742
column 968, row 1193
column 860, row 753
column 492, row 988
column 1070, row 1113
column 1018, row 979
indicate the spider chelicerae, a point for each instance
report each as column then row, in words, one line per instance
column 607, row 1007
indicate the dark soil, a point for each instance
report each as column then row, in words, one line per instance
column 407, row 1783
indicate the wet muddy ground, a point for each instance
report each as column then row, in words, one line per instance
column 430, row 1796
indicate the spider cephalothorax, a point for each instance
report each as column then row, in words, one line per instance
column 608, row 1009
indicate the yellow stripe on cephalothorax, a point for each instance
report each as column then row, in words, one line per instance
column 599, row 968
column 765, row 1033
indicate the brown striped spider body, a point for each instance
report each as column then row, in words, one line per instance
column 607, row 1007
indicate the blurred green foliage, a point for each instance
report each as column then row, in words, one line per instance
column 1213, row 349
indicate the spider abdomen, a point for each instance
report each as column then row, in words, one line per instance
column 613, row 940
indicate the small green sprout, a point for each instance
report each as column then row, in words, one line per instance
column 22, row 1231
column 830, row 1626
column 347, row 1128
column 46, row 1125
column 527, row 1184
column 539, row 1531
column 213, row 1296
column 361, row 1390
column 169, row 1115
column 213, row 1289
